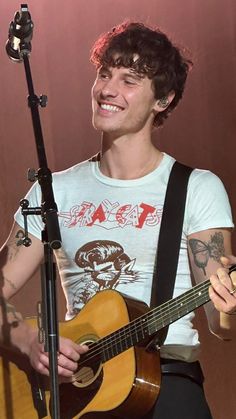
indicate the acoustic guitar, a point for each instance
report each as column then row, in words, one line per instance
column 118, row 375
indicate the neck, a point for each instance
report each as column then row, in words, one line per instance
column 128, row 158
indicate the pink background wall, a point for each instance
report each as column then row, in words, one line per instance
column 201, row 132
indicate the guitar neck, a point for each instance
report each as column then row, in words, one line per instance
column 148, row 324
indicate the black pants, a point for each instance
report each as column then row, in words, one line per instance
column 180, row 398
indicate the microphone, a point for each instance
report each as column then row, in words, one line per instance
column 20, row 35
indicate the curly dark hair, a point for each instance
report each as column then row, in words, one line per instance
column 158, row 59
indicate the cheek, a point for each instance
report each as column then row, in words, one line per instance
column 93, row 98
column 142, row 107
column 93, row 92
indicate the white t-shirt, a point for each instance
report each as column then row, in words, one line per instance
column 110, row 229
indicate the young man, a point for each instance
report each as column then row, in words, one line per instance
column 110, row 209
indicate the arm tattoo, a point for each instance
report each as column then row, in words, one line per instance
column 3, row 280
column 203, row 251
column 14, row 244
column 20, row 235
column 8, row 253
column 12, row 285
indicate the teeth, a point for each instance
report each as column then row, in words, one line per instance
column 110, row 108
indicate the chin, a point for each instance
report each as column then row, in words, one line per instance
column 104, row 126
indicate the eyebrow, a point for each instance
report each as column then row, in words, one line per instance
column 130, row 72
column 103, row 68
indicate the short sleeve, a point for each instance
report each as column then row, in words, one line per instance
column 35, row 223
column 207, row 204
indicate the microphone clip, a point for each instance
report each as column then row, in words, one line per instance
column 20, row 35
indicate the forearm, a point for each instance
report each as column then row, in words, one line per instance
column 15, row 333
column 17, row 265
column 206, row 265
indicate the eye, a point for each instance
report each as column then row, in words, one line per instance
column 103, row 75
column 130, row 82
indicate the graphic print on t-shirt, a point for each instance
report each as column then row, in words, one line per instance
column 105, row 265
column 111, row 215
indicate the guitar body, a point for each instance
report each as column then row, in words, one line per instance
column 127, row 385
column 20, row 386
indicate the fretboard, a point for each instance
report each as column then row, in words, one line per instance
column 148, row 324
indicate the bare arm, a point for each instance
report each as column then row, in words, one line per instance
column 17, row 262
column 205, row 250
column 17, row 265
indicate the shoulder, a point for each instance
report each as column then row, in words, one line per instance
column 72, row 171
column 199, row 178
column 65, row 179
column 205, row 181
column 73, row 175
column 207, row 203
column 206, row 191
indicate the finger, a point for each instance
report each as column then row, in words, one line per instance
column 223, row 300
column 81, row 348
column 71, row 350
column 233, row 278
column 228, row 260
column 221, row 282
column 67, row 363
column 221, row 287
column 63, row 372
column 218, row 302
column 41, row 363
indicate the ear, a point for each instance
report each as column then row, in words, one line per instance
column 163, row 103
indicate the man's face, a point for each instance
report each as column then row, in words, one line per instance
column 122, row 101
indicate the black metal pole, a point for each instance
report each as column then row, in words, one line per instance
column 52, row 240
column 51, row 326
column 18, row 48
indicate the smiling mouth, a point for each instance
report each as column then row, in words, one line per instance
column 110, row 108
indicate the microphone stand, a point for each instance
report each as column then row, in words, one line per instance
column 51, row 237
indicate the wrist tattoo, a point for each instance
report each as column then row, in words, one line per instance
column 203, row 251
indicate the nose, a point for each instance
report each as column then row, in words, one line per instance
column 109, row 88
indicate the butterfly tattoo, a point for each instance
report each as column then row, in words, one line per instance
column 203, row 251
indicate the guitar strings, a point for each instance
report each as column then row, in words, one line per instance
column 202, row 291
column 136, row 325
column 140, row 321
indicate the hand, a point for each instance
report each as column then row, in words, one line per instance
column 68, row 357
column 222, row 287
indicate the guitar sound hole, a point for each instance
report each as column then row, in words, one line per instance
column 88, row 370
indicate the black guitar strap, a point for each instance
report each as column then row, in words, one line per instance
column 170, row 238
